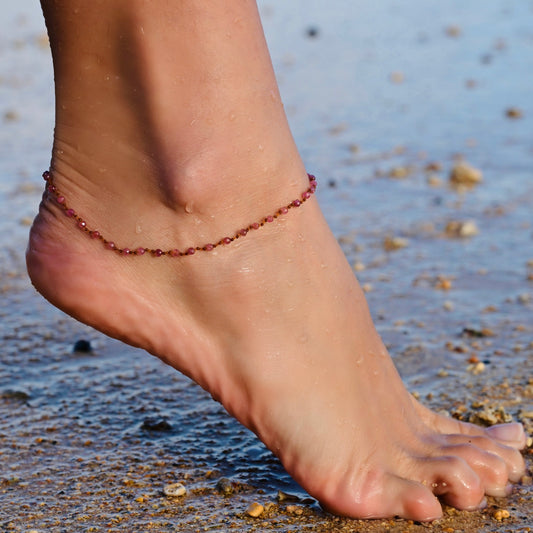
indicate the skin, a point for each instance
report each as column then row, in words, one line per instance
column 170, row 132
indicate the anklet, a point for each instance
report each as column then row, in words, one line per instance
column 157, row 252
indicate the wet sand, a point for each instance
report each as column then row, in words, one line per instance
column 384, row 100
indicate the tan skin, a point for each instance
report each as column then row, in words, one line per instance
column 170, row 132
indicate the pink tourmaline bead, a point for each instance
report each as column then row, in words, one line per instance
column 110, row 245
column 81, row 224
column 94, row 234
column 140, row 251
column 284, row 210
column 269, row 218
column 126, row 251
column 306, row 195
column 208, row 247
column 46, row 175
column 175, row 252
column 296, row 203
column 226, row 240
column 191, row 251
column 243, row 232
column 255, row 225
column 158, row 252
column 60, row 199
column 52, row 188
column 70, row 212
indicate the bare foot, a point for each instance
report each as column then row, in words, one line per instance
column 274, row 325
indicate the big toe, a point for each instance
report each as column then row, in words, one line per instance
column 390, row 496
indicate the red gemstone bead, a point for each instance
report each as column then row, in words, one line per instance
column 52, row 188
column 208, row 247
column 140, row 251
column 283, row 211
column 158, row 252
column 175, row 252
column 269, row 218
column 70, row 212
column 110, row 245
column 226, row 240
column 255, row 225
column 46, row 175
column 81, row 224
column 191, row 251
column 296, row 203
column 60, row 199
column 306, row 195
column 126, row 251
column 94, row 234
column 243, row 232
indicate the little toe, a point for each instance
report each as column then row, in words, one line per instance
column 512, row 434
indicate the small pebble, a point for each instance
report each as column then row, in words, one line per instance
column 443, row 284
column 11, row 116
column 453, row 30
column 287, row 497
column 465, row 174
column 434, row 181
column 394, row 243
column 433, row 166
column 255, row 509
column 501, row 514
column 524, row 298
column 174, row 490
column 312, row 32
column 397, row 77
column 448, row 306
column 461, row 229
column 399, row 172
column 82, row 346
column 156, row 424
column 294, row 509
column 477, row 368
column 514, row 112
column 224, row 486
column 358, row 266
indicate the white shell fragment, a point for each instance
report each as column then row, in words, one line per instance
column 174, row 490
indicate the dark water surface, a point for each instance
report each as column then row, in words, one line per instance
column 372, row 89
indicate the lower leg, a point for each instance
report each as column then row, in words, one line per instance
column 170, row 132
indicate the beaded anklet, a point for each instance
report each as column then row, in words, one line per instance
column 110, row 245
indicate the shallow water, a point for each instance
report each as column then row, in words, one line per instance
column 370, row 88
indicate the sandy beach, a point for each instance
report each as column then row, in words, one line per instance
column 418, row 122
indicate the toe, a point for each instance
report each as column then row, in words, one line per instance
column 385, row 495
column 509, row 434
column 454, row 481
column 497, row 463
column 491, row 469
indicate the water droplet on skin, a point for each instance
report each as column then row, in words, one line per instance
column 188, row 208
column 138, row 229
